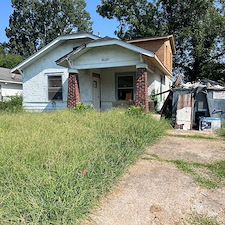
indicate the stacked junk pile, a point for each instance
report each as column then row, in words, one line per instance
column 199, row 105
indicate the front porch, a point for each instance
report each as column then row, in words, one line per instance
column 107, row 87
column 109, row 70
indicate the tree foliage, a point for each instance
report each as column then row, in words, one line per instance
column 136, row 17
column 8, row 60
column 198, row 28
column 34, row 23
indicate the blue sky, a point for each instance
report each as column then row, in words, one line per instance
column 104, row 26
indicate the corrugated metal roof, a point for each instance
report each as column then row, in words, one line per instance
column 6, row 76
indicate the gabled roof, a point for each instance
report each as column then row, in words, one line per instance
column 107, row 41
column 52, row 44
column 8, row 77
column 167, row 37
column 106, row 38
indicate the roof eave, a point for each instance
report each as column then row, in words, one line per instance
column 55, row 41
column 172, row 42
column 65, row 59
column 16, row 71
column 11, row 82
column 162, row 67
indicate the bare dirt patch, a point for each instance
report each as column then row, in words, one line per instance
column 191, row 149
column 158, row 193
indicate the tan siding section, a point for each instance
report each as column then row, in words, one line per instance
column 161, row 48
column 168, row 55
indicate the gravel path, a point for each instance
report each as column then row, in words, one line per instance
column 158, row 193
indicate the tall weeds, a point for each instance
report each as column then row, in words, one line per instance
column 55, row 166
column 14, row 104
column 222, row 131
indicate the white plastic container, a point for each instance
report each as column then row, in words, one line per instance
column 209, row 124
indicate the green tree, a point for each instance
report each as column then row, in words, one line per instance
column 34, row 23
column 198, row 28
column 2, row 50
column 136, row 17
column 8, row 60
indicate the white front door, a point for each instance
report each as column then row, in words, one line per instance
column 96, row 92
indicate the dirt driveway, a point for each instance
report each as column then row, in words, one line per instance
column 158, row 193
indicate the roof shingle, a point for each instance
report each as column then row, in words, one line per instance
column 6, row 76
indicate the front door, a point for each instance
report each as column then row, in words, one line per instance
column 96, row 91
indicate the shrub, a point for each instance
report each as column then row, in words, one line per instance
column 14, row 104
column 81, row 107
column 135, row 110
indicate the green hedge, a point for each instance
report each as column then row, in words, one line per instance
column 13, row 104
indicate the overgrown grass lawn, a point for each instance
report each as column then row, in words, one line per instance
column 222, row 131
column 54, row 166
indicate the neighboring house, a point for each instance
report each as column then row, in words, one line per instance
column 99, row 71
column 10, row 84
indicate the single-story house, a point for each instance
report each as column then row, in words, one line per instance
column 99, row 71
column 10, row 84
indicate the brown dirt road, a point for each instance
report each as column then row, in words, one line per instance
column 158, row 193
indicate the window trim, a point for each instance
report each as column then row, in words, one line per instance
column 54, row 75
column 125, row 74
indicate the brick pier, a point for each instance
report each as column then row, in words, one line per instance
column 142, row 88
column 73, row 90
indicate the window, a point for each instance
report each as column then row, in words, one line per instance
column 125, row 86
column 54, row 87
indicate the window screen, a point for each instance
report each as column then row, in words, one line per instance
column 55, row 88
column 125, row 87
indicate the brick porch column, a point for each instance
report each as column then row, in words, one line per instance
column 141, row 98
column 73, row 89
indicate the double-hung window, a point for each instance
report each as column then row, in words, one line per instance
column 55, row 87
column 125, row 86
